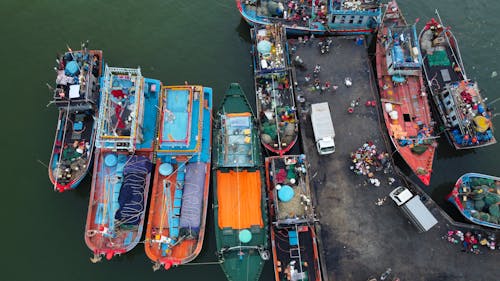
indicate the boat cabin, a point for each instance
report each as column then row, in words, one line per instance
column 237, row 141
column 121, row 109
column 402, row 52
column 76, row 82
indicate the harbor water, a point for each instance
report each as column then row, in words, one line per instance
column 198, row 41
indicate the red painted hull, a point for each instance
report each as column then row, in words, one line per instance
column 410, row 103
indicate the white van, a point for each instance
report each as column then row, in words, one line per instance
column 414, row 209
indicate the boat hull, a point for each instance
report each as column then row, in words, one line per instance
column 180, row 191
column 464, row 196
column 314, row 28
column 74, row 139
column 107, row 234
column 447, row 81
column 240, row 211
column 405, row 107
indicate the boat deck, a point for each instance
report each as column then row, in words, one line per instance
column 295, row 253
column 358, row 238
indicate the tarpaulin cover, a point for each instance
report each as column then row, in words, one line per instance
column 131, row 198
column 192, row 197
column 239, row 197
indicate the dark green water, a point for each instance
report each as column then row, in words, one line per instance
column 199, row 41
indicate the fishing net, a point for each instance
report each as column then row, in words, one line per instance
column 419, row 149
column 438, row 58
column 494, row 210
column 479, row 205
column 481, row 181
column 491, row 199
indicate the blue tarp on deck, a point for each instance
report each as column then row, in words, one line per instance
column 131, row 198
column 192, row 197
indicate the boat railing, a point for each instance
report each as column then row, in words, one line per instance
column 107, row 136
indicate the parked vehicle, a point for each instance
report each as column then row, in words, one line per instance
column 413, row 208
column 324, row 132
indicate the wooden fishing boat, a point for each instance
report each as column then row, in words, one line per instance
column 76, row 95
column 477, row 197
column 464, row 115
column 123, row 162
column 325, row 17
column 277, row 117
column 293, row 236
column 239, row 190
column 179, row 198
column 403, row 98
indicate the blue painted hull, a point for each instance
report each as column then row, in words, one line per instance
column 315, row 27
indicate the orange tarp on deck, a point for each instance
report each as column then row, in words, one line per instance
column 239, row 196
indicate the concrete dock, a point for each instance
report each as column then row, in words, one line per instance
column 360, row 239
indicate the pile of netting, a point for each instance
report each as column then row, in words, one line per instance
column 484, row 193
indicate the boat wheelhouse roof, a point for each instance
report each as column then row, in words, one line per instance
column 403, row 47
column 121, row 108
column 463, row 101
column 270, row 48
column 238, row 141
column 181, row 119
column 290, row 186
column 77, row 75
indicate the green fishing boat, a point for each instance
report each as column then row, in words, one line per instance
column 239, row 189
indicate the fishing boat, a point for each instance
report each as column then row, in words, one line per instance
column 293, row 235
column 323, row 17
column 179, row 197
column 239, row 190
column 126, row 132
column 277, row 117
column 403, row 98
column 464, row 115
column 477, row 197
column 76, row 96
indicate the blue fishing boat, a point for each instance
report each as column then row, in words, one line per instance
column 477, row 197
column 76, row 96
column 179, row 197
column 126, row 132
column 318, row 17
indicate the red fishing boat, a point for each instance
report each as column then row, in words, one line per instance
column 402, row 93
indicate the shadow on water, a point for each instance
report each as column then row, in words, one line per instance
column 243, row 30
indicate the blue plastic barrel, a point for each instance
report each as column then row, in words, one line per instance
column 166, row 169
column 285, row 193
column 245, row 236
column 110, row 160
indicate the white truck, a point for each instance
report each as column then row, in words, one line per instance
column 324, row 133
column 414, row 209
